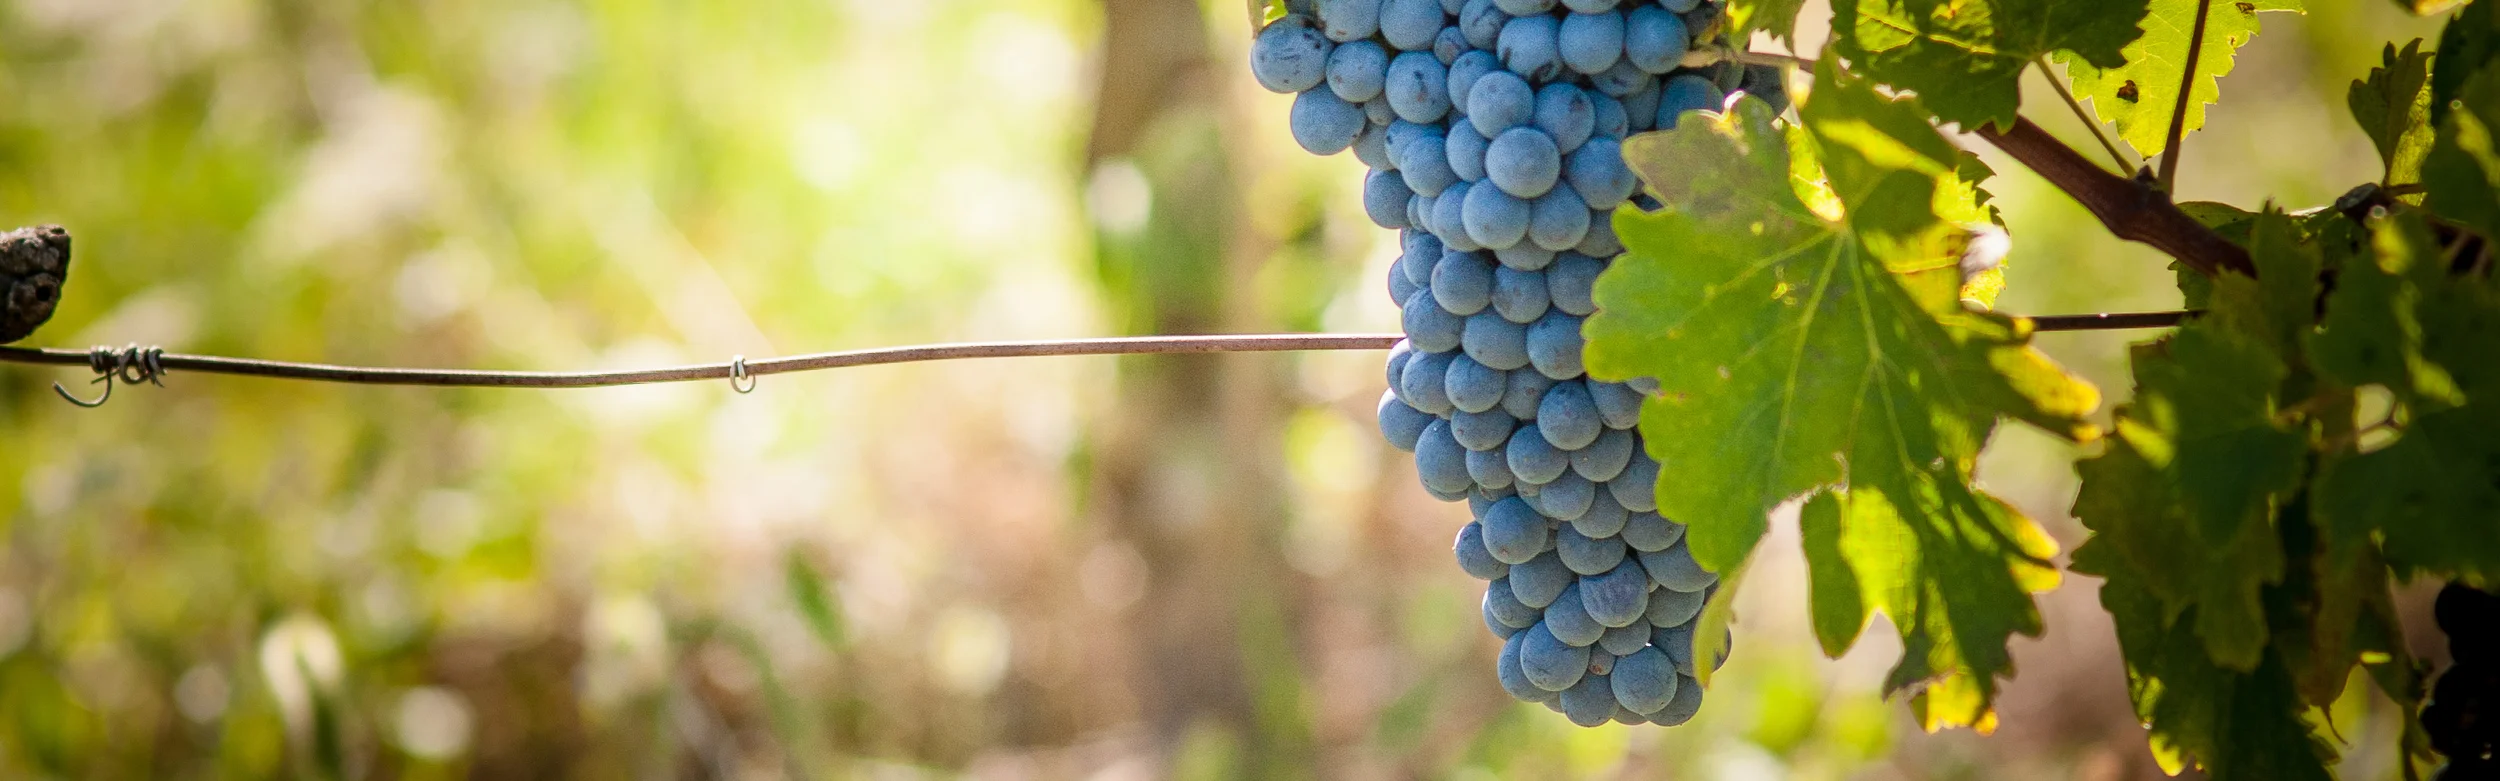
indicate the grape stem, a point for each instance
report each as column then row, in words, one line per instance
column 2130, row 208
column 2187, row 92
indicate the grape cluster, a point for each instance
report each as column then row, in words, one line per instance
column 2463, row 717
column 1493, row 130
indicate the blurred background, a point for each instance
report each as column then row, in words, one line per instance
column 1202, row 567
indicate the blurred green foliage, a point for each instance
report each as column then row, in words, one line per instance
column 885, row 572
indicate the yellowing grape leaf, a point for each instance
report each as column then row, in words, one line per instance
column 1777, row 17
column 2142, row 95
column 1965, row 58
column 1807, row 336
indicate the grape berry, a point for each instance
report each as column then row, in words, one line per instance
column 1494, row 132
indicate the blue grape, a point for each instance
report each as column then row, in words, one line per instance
column 1450, row 7
column 1585, row 555
column 1515, row 680
column 1589, row 703
column 1677, row 644
column 1513, row 531
column 1523, row 162
column 1684, row 93
column 1524, row 7
column 1597, row 172
column 1401, row 423
column 1426, row 167
column 1440, row 462
column 1425, row 383
column 1548, row 662
column 1483, row 497
column 1449, row 218
column 1622, row 79
column 1642, row 107
column 1475, row 387
column 1601, row 241
column 1492, row 217
column 1519, row 296
column 1644, row 681
column 1591, row 41
column 1372, row 148
column 1768, row 83
column 1648, row 386
column 1493, row 623
column 1358, row 71
column 1525, row 256
column 1604, row 518
column 1675, row 569
column 1568, row 618
column 1618, row 598
column 1669, row 607
column 1401, row 132
column 1499, row 101
column 1384, row 199
column 1349, row 20
column 1430, row 327
column 1637, row 487
column 1624, row 641
column 1554, row 345
column 1415, row 241
column 1485, row 430
column 1420, row 258
column 1377, row 109
column 1494, row 342
column 1463, row 284
column 1540, row 581
column 1419, row 213
column 1680, row 6
column 1477, row 561
column 1481, row 21
column 1681, row 709
column 1465, row 71
column 1569, row 417
column 1590, row 6
column 1400, row 289
column 1410, row 25
column 1618, row 403
column 1566, row 115
column 1526, row 391
column 1506, row 608
column 1418, row 87
column 1601, row 662
column 1558, row 220
column 1567, row 497
column 1533, row 459
column 1447, row 46
column 1605, row 458
column 1325, row 124
column 1466, row 149
column 1289, row 55
column 1654, row 40
column 1529, row 46
column 1402, row 352
column 1649, row 532
column 1490, row 467
column 1573, row 281
column 1610, row 118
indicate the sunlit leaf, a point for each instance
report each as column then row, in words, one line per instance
column 1965, row 58
column 2142, row 95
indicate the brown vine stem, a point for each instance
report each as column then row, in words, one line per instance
column 2089, row 123
column 2126, row 207
column 2110, row 322
column 2187, row 92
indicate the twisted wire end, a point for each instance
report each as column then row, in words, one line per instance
column 131, row 365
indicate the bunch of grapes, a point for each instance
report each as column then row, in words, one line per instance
column 1493, row 129
column 2463, row 717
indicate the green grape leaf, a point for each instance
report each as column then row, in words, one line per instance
column 1798, row 302
column 2398, row 319
column 2470, row 42
column 1835, row 601
column 815, row 602
column 1965, row 58
column 2233, row 724
column 2393, row 106
column 2140, row 535
column 2142, row 95
column 1777, row 17
column 2461, row 178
